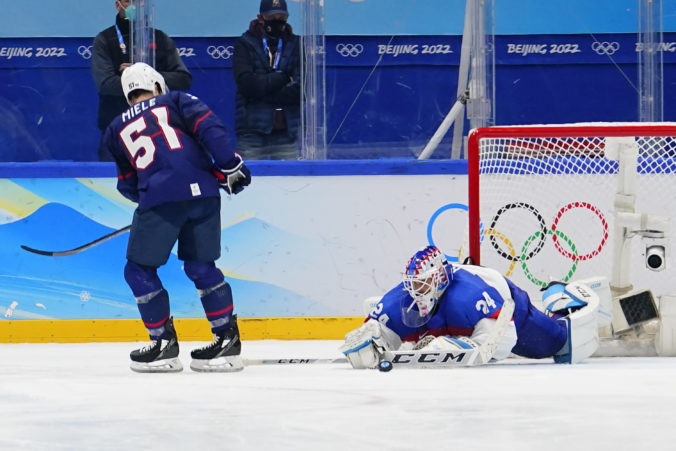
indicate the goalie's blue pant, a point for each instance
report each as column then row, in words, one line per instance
column 538, row 335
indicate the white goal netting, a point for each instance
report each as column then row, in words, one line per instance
column 569, row 202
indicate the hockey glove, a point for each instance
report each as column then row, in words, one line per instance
column 233, row 180
column 364, row 346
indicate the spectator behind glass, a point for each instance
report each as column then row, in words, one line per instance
column 266, row 67
column 111, row 56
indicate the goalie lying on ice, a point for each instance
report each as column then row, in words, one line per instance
column 440, row 307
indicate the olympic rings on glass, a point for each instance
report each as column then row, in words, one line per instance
column 538, row 216
column 598, row 213
column 530, row 239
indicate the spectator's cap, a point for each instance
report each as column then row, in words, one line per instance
column 270, row 7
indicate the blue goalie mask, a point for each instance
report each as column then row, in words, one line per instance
column 425, row 279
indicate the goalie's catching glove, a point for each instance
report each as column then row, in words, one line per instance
column 233, row 180
column 364, row 346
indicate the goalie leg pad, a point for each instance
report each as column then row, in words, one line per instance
column 446, row 343
column 583, row 333
column 601, row 287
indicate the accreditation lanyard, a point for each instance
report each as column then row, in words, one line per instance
column 123, row 47
column 278, row 56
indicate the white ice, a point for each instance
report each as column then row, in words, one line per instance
column 84, row 397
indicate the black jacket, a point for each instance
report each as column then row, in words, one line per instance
column 107, row 57
column 260, row 88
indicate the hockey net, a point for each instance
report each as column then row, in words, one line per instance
column 575, row 201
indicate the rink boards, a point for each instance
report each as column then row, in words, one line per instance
column 302, row 247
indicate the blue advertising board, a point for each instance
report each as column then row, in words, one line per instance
column 386, row 95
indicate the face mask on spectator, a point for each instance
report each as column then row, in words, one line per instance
column 129, row 11
column 275, row 28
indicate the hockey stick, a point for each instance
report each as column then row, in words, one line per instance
column 423, row 359
column 301, row 361
column 78, row 249
column 427, row 359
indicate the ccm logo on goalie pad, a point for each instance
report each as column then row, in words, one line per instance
column 417, row 358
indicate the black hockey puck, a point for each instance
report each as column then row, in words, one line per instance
column 385, row 366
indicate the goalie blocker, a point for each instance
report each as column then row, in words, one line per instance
column 492, row 317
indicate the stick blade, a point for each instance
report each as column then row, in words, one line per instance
column 37, row 251
column 77, row 249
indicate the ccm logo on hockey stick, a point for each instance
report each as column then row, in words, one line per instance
column 415, row 358
column 295, row 360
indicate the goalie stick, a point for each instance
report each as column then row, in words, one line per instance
column 420, row 358
column 78, row 249
column 296, row 361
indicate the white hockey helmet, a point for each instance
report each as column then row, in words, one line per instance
column 425, row 279
column 144, row 77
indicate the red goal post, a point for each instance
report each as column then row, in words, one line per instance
column 544, row 199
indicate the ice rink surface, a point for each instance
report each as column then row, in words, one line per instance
column 84, row 397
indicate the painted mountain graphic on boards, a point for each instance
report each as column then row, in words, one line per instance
column 90, row 284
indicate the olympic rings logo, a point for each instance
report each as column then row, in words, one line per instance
column 351, row 50
column 605, row 48
column 85, row 51
column 435, row 216
column 220, row 52
column 535, row 242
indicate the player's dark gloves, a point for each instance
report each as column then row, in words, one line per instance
column 233, row 180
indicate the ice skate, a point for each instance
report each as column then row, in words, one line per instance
column 159, row 357
column 222, row 355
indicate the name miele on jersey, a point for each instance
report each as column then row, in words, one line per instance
column 28, row 52
column 138, row 108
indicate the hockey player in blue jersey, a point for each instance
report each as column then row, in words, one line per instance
column 172, row 155
column 442, row 307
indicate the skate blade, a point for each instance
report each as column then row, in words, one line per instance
column 160, row 366
column 228, row 364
